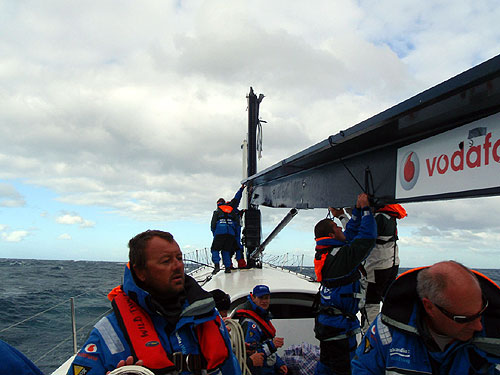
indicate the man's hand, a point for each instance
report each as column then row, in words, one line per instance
column 362, row 201
column 129, row 361
column 278, row 342
column 257, row 359
column 336, row 212
column 283, row 369
column 224, row 319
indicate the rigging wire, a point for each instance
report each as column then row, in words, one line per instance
column 39, row 313
column 70, row 337
column 343, row 163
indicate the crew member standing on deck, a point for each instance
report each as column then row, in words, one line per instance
column 337, row 265
column 382, row 264
column 226, row 229
column 162, row 318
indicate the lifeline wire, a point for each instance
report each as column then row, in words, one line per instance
column 69, row 338
column 40, row 313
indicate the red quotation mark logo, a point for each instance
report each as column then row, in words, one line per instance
column 409, row 170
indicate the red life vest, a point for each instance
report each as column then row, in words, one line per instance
column 145, row 344
column 320, row 262
column 267, row 327
column 394, row 210
column 226, row 208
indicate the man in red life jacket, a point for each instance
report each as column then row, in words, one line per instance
column 226, row 229
column 337, row 264
column 162, row 319
column 260, row 334
column 382, row 264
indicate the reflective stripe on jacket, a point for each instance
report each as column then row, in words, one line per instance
column 108, row 344
column 337, row 266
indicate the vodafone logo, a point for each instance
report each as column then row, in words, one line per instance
column 91, row 348
column 409, row 170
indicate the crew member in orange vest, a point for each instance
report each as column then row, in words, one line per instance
column 260, row 334
column 226, row 229
column 162, row 319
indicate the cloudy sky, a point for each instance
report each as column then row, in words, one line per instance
column 119, row 116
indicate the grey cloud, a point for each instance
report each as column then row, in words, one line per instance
column 10, row 197
column 141, row 108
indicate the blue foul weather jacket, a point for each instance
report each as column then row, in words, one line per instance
column 142, row 328
column 399, row 342
column 337, row 265
column 226, row 219
column 259, row 334
column 14, row 362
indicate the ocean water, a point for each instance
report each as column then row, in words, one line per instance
column 30, row 287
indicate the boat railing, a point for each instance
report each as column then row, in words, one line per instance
column 197, row 258
column 81, row 332
column 289, row 262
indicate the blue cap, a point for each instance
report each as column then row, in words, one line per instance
column 261, row 290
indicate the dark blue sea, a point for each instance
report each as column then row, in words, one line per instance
column 30, row 287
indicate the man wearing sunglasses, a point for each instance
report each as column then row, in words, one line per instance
column 442, row 319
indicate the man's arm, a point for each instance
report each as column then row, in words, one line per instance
column 213, row 222
column 235, row 202
column 253, row 337
column 94, row 357
column 349, row 256
column 370, row 354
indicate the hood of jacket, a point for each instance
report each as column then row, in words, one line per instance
column 197, row 302
column 402, row 309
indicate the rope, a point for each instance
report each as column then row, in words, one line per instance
column 238, row 343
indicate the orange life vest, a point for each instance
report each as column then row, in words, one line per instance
column 226, row 208
column 395, row 210
column 319, row 262
column 145, row 344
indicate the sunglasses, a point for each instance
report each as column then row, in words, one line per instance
column 462, row 319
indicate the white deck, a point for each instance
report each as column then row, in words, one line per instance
column 239, row 283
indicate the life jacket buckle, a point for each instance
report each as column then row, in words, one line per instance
column 177, row 359
column 193, row 363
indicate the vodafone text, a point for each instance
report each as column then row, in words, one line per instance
column 473, row 158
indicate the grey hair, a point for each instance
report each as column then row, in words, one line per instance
column 431, row 285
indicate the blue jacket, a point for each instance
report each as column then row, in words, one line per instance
column 14, row 362
column 337, row 266
column 107, row 345
column 227, row 223
column 399, row 342
column 256, row 339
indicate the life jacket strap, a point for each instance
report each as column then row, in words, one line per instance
column 333, row 311
column 267, row 327
column 345, row 336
